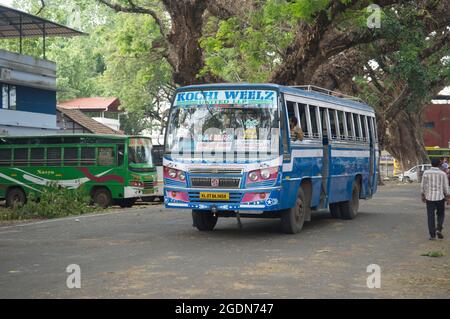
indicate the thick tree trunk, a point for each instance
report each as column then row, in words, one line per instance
column 185, row 54
column 404, row 139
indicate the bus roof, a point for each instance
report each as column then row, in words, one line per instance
column 282, row 89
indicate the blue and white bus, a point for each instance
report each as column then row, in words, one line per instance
column 229, row 153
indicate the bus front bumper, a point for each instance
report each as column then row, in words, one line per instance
column 264, row 199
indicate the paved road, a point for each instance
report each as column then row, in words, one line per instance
column 152, row 252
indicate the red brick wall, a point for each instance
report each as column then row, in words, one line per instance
column 439, row 114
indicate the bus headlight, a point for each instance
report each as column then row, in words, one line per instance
column 265, row 173
column 181, row 176
column 172, row 173
column 253, row 176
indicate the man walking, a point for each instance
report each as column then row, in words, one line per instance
column 434, row 193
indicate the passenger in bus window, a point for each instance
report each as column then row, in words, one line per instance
column 296, row 131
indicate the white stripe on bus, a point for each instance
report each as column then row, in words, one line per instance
column 301, row 153
column 348, row 153
column 18, row 182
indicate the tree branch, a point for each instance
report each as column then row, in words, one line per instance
column 440, row 42
column 133, row 8
column 41, row 8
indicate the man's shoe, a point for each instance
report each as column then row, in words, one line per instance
column 432, row 238
column 439, row 234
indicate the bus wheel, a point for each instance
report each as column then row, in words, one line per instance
column 203, row 220
column 292, row 219
column 15, row 196
column 335, row 210
column 349, row 209
column 102, row 198
column 127, row 202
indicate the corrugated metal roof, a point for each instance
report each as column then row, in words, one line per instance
column 15, row 23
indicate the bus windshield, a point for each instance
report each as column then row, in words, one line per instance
column 140, row 151
column 230, row 130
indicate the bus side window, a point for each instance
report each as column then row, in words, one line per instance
column 54, row 156
column 105, row 156
column 87, row 156
column 37, row 156
column 21, row 157
column 357, row 121
column 291, row 108
column 70, row 156
column 324, row 122
column 291, row 112
column 303, row 121
column 333, row 126
column 314, row 123
column 5, row 157
column 121, row 154
column 375, row 130
column 350, row 126
column 365, row 128
column 342, row 126
column 285, row 132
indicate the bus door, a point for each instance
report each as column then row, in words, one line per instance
column 157, row 155
column 326, row 160
column 372, row 162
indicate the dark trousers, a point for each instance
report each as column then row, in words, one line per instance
column 438, row 208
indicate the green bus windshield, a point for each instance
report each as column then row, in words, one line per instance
column 140, row 151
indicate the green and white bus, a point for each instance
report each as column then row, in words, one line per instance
column 114, row 169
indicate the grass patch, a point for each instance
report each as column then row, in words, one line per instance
column 433, row 254
column 54, row 202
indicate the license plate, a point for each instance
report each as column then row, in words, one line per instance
column 215, row 196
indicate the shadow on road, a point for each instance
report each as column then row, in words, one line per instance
column 261, row 228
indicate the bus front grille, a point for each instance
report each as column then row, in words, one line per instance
column 206, row 182
column 149, row 184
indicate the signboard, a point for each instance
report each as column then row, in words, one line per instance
column 225, row 97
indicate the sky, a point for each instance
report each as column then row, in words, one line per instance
column 6, row 2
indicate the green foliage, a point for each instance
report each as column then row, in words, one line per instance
column 53, row 202
column 134, row 123
column 305, row 9
column 249, row 49
column 406, row 65
column 115, row 58
column 433, row 254
column 134, row 72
